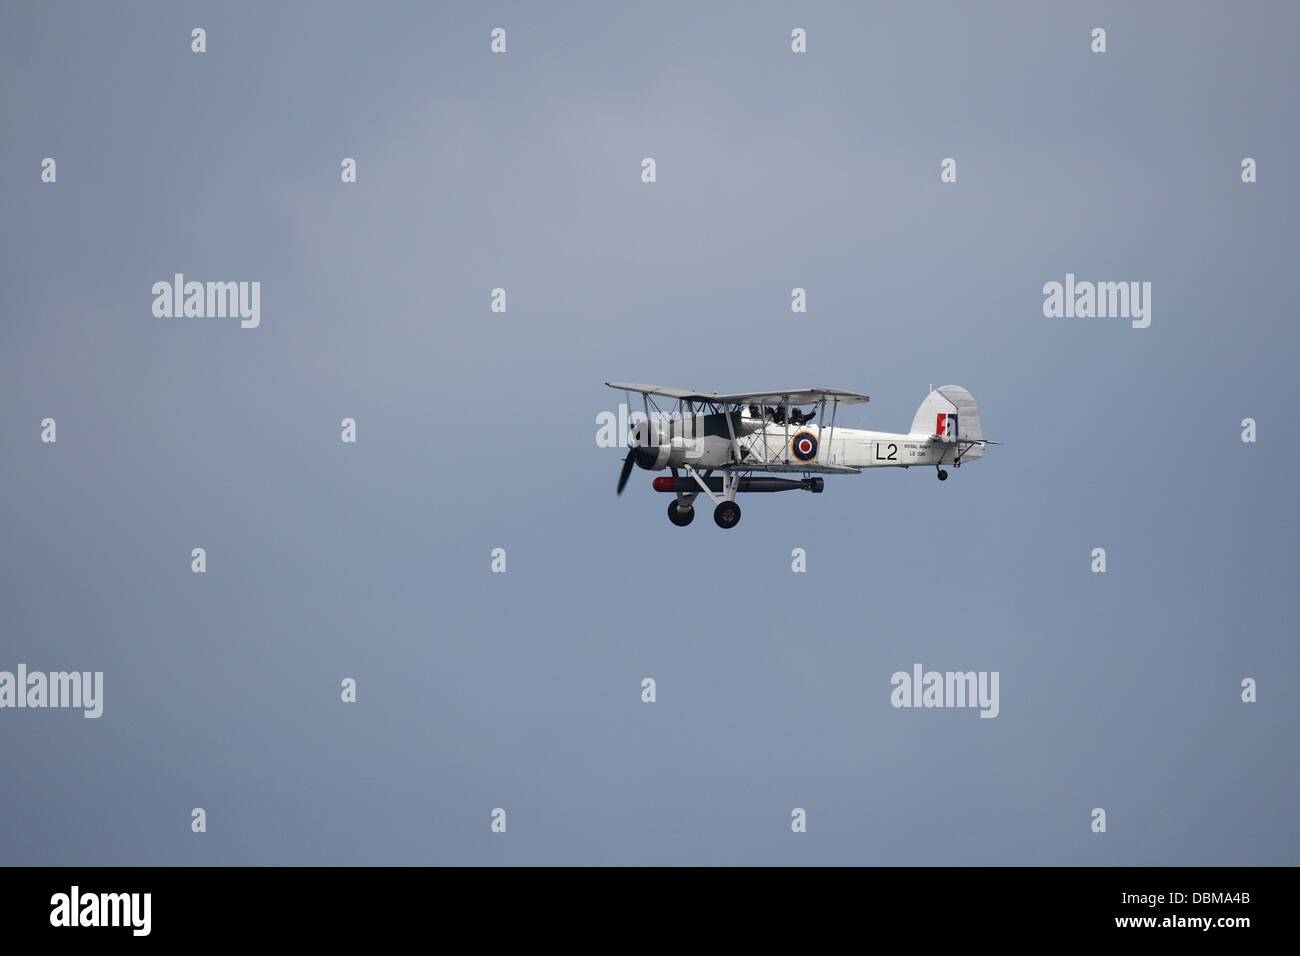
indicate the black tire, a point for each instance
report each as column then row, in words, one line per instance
column 679, row 517
column 727, row 514
column 943, row 475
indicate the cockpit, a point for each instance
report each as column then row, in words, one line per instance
column 776, row 414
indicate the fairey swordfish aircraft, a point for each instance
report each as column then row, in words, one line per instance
column 782, row 432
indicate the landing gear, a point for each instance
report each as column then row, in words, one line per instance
column 679, row 517
column 727, row 514
column 943, row 475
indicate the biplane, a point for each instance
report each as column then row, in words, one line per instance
column 723, row 445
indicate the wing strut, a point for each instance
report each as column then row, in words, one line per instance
column 785, row 455
column 835, row 407
column 731, row 430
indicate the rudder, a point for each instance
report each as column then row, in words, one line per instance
column 950, row 411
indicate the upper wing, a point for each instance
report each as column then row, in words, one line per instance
column 795, row 396
column 654, row 390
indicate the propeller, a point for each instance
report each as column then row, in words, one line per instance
column 628, row 462
column 643, row 455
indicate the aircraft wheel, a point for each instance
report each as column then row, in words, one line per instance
column 727, row 514
column 679, row 517
column 943, row 475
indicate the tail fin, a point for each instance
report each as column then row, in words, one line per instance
column 950, row 411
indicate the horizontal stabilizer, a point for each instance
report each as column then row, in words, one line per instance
column 964, row 441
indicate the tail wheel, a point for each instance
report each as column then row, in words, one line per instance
column 727, row 514
column 679, row 517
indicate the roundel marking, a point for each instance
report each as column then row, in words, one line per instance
column 804, row 446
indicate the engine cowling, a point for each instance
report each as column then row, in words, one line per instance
column 654, row 457
column 650, row 447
